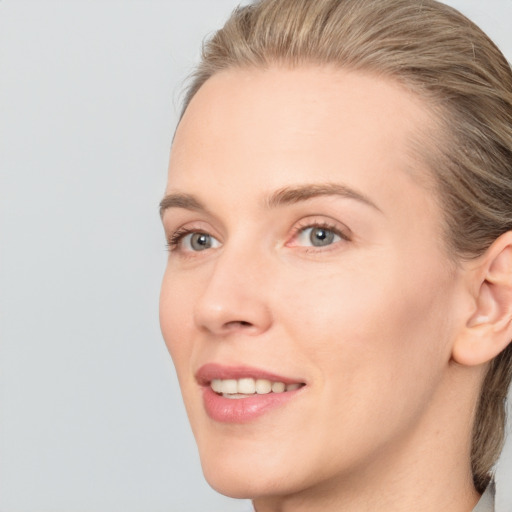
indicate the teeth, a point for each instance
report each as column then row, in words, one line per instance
column 232, row 388
column 278, row 387
column 263, row 386
column 229, row 386
column 216, row 385
column 247, row 386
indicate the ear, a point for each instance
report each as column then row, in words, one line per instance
column 488, row 329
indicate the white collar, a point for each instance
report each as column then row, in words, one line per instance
column 486, row 502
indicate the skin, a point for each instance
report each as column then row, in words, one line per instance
column 368, row 322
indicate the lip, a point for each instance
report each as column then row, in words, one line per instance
column 243, row 410
column 211, row 371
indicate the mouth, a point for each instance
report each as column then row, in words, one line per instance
column 241, row 394
column 247, row 386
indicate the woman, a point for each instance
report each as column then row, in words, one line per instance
column 338, row 294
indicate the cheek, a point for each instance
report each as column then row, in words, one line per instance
column 176, row 320
column 370, row 329
column 377, row 350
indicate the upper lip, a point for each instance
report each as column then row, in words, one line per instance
column 210, row 371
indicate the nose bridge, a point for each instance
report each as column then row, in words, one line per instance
column 235, row 296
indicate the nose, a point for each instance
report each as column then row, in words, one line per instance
column 235, row 297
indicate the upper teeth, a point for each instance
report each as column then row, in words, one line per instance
column 249, row 386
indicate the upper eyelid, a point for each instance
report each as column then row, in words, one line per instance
column 333, row 229
column 323, row 222
column 180, row 224
column 185, row 219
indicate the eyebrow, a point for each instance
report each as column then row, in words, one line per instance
column 290, row 195
column 281, row 197
column 186, row 201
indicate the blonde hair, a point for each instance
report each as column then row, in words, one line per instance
column 447, row 60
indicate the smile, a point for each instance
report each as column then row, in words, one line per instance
column 245, row 387
column 242, row 394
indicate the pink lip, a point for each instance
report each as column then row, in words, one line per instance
column 243, row 410
column 211, row 371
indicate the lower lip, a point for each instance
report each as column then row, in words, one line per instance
column 243, row 410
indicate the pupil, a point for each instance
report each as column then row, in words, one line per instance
column 320, row 237
column 200, row 241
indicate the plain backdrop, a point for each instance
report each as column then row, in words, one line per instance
column 91, row 418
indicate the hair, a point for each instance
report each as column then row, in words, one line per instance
column 446, row 60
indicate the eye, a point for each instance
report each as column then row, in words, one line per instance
column 199, row 241
column 192, row 241
column 317, row 236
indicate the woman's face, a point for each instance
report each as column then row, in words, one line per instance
column 307, row 264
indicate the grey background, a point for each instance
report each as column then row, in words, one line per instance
column 90, row 414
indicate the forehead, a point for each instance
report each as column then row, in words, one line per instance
column 252, row 117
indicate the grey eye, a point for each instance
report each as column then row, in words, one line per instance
column 320, row 237
column 199, row 241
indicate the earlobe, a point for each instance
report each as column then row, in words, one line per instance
column 488, row 330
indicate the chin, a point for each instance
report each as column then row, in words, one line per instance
column 236, row 486
column 246, row 483
column 249, row 472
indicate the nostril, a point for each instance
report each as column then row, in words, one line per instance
column 239, row 323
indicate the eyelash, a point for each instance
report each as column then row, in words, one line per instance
column 177, row 236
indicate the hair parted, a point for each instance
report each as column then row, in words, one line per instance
column 442, row 57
